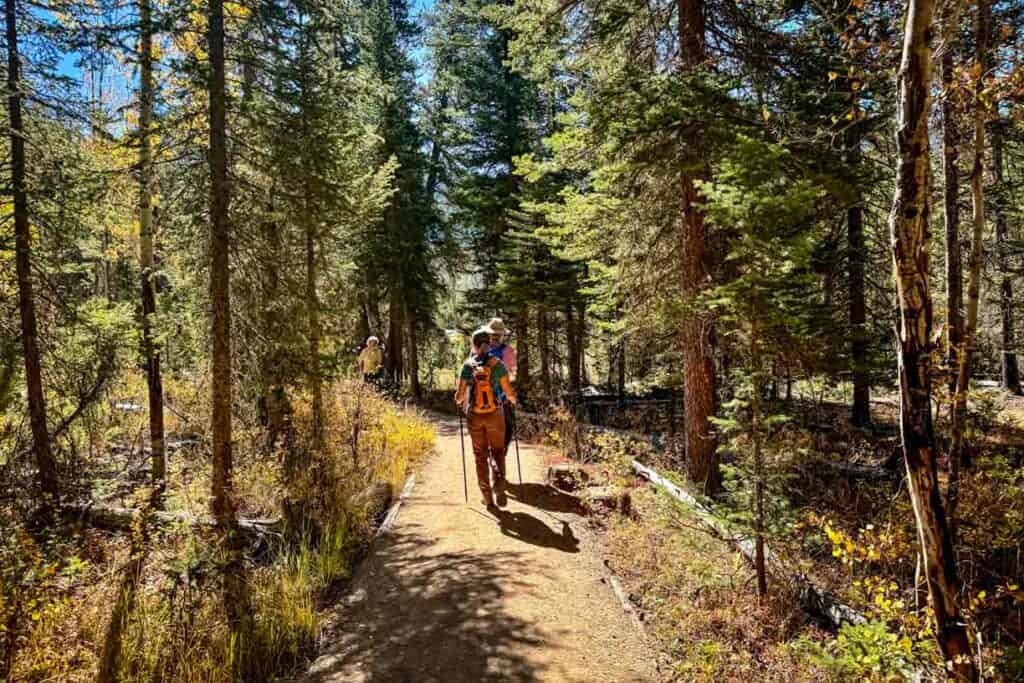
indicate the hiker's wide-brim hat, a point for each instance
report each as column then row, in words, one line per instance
column 496, row 326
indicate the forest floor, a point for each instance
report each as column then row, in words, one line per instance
column 455, row 593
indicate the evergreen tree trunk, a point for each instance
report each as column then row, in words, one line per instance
column 951, row 204
column 270, row 359
column 755, row 438
column 222, row 486
column 434, row 172
column 153, row 377
column 523, row 354
column 393, row 361
column 572, row 347
column 313, row 315
column 223, row 503
column 363, row 324
column 960, row 457
column 620, row 383
column 856, row 251
column 696, row 334
column 373, row 310
column 581, row 343
column 545, row 352
column 45, row 461
column 1010, row 371
column 414, row 360
column 909, row 226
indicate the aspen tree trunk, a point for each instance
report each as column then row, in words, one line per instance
column 152, row 352
column 951, row 205
column 45, row 461
column 856, row 250
column 960, row 457
column 1010, row 370
column 909, row 228
column 697, row 330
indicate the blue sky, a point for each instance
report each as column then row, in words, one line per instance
column 68, row 65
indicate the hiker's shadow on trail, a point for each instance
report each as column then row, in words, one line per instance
column 434, row 616
column 531, row 530
column 544, row 497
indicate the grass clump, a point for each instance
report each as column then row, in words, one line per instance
column 56, row 595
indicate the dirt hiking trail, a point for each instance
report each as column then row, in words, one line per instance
column 453, row 594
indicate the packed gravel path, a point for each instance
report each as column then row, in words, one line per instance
column 455, row 593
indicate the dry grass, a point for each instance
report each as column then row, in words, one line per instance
column 699, row 601
column 56, row 593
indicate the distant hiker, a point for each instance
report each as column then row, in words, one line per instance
column 370, row 360
column 482, row 378
column 499, row 348
column 507, row 355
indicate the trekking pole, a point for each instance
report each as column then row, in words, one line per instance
column 462, row 440
column 515, row 435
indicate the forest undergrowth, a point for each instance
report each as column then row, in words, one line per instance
column 839, row 515
column 59, row 586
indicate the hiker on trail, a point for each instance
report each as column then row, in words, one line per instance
column 499, row 348
column 370, row 359
column 507, row 355
column 482, row 378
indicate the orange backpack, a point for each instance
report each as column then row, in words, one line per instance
column 483, row 392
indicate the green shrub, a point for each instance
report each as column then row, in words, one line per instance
column 868, row 651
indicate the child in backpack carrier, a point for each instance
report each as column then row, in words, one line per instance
column 482, row 380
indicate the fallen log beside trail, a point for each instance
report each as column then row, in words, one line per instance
column 372, row 502
column 121, row 519
column 849, row 470
column 814, row 599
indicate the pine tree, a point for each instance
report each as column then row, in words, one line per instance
column 220, row 284
column 761, row 191
column 397, row 256
column 146, row 263
column 45, row 461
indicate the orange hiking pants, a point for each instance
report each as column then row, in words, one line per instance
column 487, row 432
